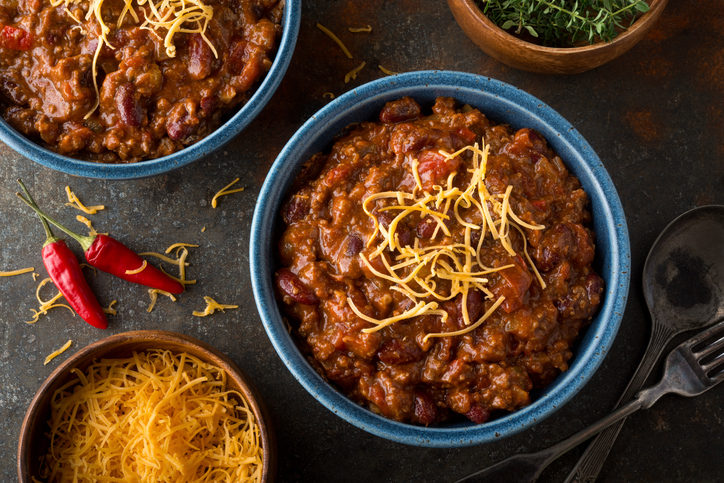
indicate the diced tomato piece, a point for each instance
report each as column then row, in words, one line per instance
column 466, row 134
column 15, row 38
column 539, row 204
column 434, row 168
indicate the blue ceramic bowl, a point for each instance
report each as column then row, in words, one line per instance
column 224, row 134
column 501, row 103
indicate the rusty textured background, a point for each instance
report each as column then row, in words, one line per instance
column 655, row 116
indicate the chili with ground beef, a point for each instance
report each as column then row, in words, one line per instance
column 150, row 105
column 395, row 371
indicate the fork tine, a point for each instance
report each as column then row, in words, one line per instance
column 717, row 378
column 710, row 349
column 713, row 331
column 712, row 364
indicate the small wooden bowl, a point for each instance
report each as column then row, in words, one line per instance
column 33, row 444
column 523, row 55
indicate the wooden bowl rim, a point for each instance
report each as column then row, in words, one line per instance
column 486, row 24
column 216, row 357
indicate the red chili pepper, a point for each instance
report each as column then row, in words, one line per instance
column 66, row 274
column 112, row 256
column 15, row 38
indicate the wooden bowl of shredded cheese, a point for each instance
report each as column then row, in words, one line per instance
column 147, row 406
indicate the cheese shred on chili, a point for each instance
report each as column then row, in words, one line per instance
column 458, row 265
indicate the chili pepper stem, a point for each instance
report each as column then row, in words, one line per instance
column 50, row 238
column 85, row 241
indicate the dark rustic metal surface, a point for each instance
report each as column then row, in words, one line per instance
column 655, row 116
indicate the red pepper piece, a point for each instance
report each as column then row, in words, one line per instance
column 66, row 274
column 15, row 38
column 112, row 256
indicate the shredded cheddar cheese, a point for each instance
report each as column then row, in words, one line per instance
column 153, row 417
column 75, row 203
column 335, row 38
column 420, row 271
column 46, row 305
column 87, row 223
column 179, row 245
column 225, row 191
column 56, row 353
column 353, row 73
column 163, row 257
column 203, row 229
column 211, row 306
column 16, row 272
column 85, row 265
column 35, row 276
column 153, row 293
column 387, row 71
column 138, row 270
column 328, row 95
column 355, row 30
column 110, row 309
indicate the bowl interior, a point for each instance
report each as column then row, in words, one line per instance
column 503, row 104
column 226, row 132
column 33, row 443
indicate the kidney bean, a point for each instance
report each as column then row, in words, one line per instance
column 237, row 55
column 208, row 106
column 554, row 247
column 404, row 109
column 594, row 287
column 478, row 413
column 475, row 307
column 289, row 283
column 200, row 57
column 354, row 245
column 295, row 209
column 399, row 351
column 128, row 107
column 425, row 409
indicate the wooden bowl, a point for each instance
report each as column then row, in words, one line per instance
column 33, row 444
column 523, row 55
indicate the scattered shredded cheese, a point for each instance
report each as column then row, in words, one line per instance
column 153, row 293
column 328, row 95
column 46, row 305
column 211, row 306
column 110, row 309
column 177, row 245
column 85, row 265
column 418, row 271
column 353, row 73
column 355, row 30
column 163, row 257
column 155, row 416
column 138, row 270
column 203, row 229
column 334, row 37
column 35, row 276
column 16, row 272
column 75, row 203
column 87, row 223
column 387, row 71
column 225, row 191
column 56, row 353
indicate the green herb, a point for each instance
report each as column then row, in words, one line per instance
column 559, row 23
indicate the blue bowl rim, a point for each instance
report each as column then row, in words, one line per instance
column 586, row 361
column 291, row 21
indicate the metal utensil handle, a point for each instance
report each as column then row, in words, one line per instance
column 590, row 463
column 525, row 468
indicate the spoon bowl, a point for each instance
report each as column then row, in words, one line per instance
column 684, row 272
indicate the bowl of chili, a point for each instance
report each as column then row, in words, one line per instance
column 503, row 104
column 190, row 100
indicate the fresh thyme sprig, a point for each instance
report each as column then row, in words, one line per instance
column 558, row 23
